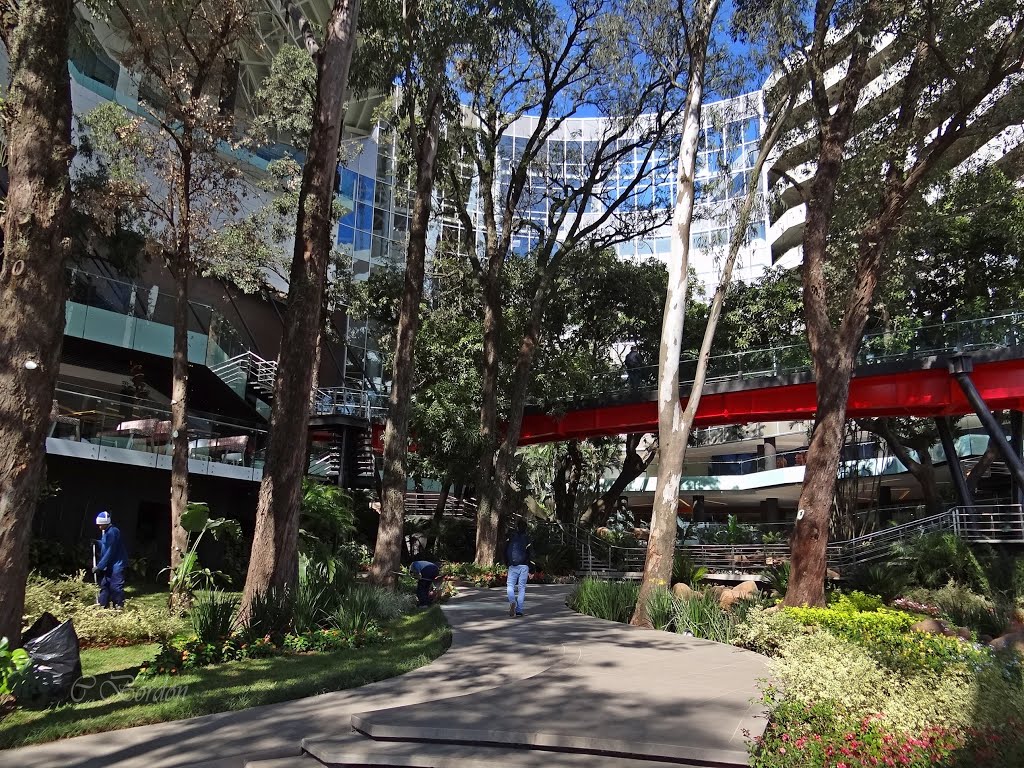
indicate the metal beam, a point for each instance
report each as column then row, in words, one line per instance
column 1017, row 442
column 956, row 471
column 961, row 368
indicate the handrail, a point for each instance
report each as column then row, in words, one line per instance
column 878, row 347
column 1000, row 523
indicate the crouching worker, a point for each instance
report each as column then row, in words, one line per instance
column 426, row 573
column 112, row 564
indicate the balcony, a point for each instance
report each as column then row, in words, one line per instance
column 91, row 425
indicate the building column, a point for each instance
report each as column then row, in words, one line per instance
column 884, row 505
column 698, row 509
column 766, row 454
column 769, row 510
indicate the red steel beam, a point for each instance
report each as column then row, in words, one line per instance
column 929, row 392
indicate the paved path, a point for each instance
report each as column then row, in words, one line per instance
column 553, row 680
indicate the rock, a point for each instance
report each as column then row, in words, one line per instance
column 681, row 591
column 718, row 590
column 1011, row 640
column 963, row 633
column 746, row 589
column 933, row 627
column 832, row 575
column 984, row 639
column 728, row 599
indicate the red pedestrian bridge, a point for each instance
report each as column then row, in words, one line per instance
column 929, row 379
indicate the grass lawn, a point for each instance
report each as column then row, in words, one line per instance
column 416, row 640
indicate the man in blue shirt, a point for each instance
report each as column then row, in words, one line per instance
column 112, row 564
column 517, row 557
column 425, row 572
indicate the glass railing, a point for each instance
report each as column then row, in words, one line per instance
column 1005, row 330
column 127, row 423
column 127, row 315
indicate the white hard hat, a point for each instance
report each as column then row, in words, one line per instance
column 103, row 518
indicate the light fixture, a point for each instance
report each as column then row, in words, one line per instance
column 31, row 365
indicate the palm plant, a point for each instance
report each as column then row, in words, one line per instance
column 190, row 575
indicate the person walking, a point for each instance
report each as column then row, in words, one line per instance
column 426, row 572
column 517, row 557
column 112, row 565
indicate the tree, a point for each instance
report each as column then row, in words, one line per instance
column 955, row 85
column 169, row 164
column 32, row 279
column 559, row 60
column 274, row 560
column 708, row 65
column 418, row 40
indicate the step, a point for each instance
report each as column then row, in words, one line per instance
column 359, row 750
column 295, row 761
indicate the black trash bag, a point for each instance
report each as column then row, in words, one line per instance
column 55, row 654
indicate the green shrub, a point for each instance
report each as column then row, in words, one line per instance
column 766, row 632
column 477, row 575
column 808, row 735
column 824, row 668
column 135, row 624
column 935, row 559
column 270, row 614
column 60, row 597
column 701, row 615
column 963, row 608
column 851, row 602
column 609, row 600
column 777, row 578
column 213, row 615
column 13, row 664
column 886, row 634
column 881, row 579
column 660, row 608
column 685, row 572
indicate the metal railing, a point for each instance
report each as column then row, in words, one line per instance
column 1004, row 330
column 978, row 524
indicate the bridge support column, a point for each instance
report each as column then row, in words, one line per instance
column 884, row 506
column 956, row 471
column 698, row 509
column 961, row 368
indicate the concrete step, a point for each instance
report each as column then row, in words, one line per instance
column 359, row 750
column 295, row 761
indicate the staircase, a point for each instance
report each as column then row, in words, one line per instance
column 994, row 524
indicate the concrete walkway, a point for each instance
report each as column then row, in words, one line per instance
column 553, row 680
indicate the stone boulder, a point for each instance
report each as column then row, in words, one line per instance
column 963, row 633
column 745, row 590
column 933, row 627
column 1011, row 640
column 728, row 599
column 681, row 591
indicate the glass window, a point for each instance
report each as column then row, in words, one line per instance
column 364, row 216
column 349, row 219
column 734, row 133
column 348, row 183
column 714, row 138
column 751, row 129
column 360, row 269
column 520, row 145
column 382, row 197
column 380, row 222
column 401, row 223
column 364, row 189
column 345, row 234
column 739, row 184
column 362, row 243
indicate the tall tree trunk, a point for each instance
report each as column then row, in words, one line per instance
column 671, row 440
column 984, row 464
column 435, row 522
column 32, row 280
column 504, row 461
column 567, row 483
column 488, row 507
column 387, row 554
column 633, row 465
column 921, row 468
column 274, row 561
column 179, row 421
column 810, row 534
